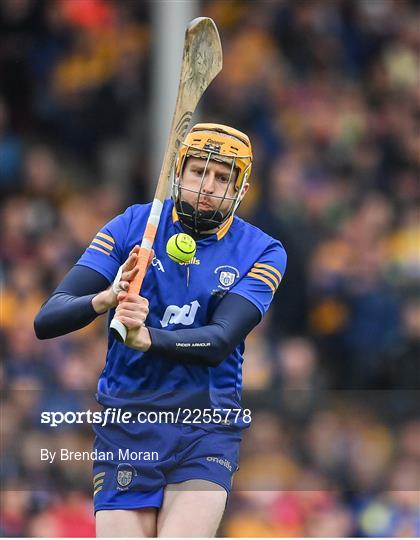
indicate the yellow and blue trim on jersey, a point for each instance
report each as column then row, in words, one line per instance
column 103, row 243
column 266, row 273
column 98, row 482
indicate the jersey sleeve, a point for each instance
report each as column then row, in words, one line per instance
column 107, row 250
column 262, row 280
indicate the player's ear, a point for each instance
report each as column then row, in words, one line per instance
column 245, row 190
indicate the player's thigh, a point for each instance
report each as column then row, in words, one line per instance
column 191, row 509
column 140, row 523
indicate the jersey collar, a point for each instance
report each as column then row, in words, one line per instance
column 220, row 233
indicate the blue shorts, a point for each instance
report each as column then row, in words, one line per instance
column 135, row 462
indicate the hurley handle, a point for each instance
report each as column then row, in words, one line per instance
column 119, row 331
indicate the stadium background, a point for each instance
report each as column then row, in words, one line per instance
column 328, row 91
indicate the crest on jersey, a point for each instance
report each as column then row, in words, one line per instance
column 227, row 276
column 125, row 474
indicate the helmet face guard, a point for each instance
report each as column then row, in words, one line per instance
column 223, row 144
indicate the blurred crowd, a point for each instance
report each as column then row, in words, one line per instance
column 329, row 93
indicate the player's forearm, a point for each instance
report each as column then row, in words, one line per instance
column 209, row 345
column 64, row 313
column 206, row 346
column 75, row 303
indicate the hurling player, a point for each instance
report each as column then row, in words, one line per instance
column 183, row 353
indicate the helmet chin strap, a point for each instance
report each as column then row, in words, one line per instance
column 198, row 221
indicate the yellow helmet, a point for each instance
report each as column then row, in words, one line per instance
column 224, row 142
column 218, row 143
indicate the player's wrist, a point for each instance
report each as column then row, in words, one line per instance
column 104, row 301
column 143, row 339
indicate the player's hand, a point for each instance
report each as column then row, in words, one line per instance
column 127, row 272
column 132, row 311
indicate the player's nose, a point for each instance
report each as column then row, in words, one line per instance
column 208, row 183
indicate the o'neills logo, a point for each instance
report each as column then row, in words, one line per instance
column 223, row 462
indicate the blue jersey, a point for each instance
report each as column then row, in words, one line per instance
column 240, row 259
